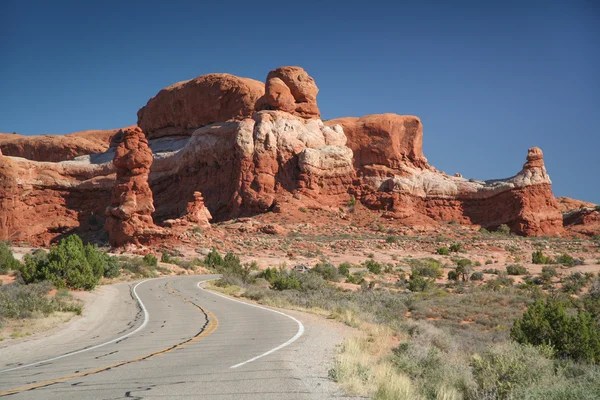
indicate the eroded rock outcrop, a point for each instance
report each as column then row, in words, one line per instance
column 242, row 167
column 129, row 215
column 182, row 108
column 524, row 202
column 226, row 160
column 292, row 90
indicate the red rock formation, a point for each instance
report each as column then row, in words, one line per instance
column 566, row 204
column 241, row 168
column 387, row 140
column 56, row 148
column 129, row 215
column 254, row 163
column 186, row 106
column 584, row 221
column 292, row 90
column 197, row 212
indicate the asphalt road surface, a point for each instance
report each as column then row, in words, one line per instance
column 176, row 341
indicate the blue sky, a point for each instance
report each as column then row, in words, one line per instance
column 487, row 81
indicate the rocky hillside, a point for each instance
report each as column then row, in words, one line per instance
column 220, row 147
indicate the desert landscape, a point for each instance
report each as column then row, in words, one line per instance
column 443, row 287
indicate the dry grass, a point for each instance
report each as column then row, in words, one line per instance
column 19, row 328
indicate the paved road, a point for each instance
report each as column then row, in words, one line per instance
column 187, row 343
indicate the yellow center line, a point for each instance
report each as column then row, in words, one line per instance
column 209, row 327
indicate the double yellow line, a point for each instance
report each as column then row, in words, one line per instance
column 211, row 325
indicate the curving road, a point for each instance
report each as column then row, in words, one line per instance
column 172, row 339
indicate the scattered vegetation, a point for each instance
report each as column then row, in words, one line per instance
column 29, row 301
column 7, row 259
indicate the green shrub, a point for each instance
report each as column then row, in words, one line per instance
column 538, row 257
column 150, row 260
column 112, row 268
column 548, row 272
column 516, row 269
column 286, row 282
column 344, row 269
column 269, row 274
column 351, row 202
column 443, row 251
column 503, row 369
column 327, row 271
column 455, row 248
column 165, row 257
column 575, row 282
column 7, row 260
column 503, row 229
column 463, row 268
column 213, row 259
column 69, row 264
column 453, row 275
column 391, row 239
column 566, row 260
column 373, row 266
column 575, row 336
column 418, row 283
column 477, row 276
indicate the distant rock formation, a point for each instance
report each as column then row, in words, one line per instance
column 203, row 153
column 55, row 148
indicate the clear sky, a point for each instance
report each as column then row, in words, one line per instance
column 488, row 81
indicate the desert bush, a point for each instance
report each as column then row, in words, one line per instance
column 575, row 336
column 344, row 269
column 516, row 269
column 506, row 368
column 7, row 259
column 503, row 229
column 575, row 282
column 443, row 251
column 566, row 260
column 27, row 301
column 419, row 283
column 213, row 259
column 150, row 260
column 136, row 267
column 69, row 264
column 548, row 272
column 453, row 275
column 165, row 257
column 373, row 266
column 286, row 282
column 538, row 257
column 455, row 248
column 391, row 239
column 327, row 271
column 493, row 271
column 477, row 276
column 463, row 268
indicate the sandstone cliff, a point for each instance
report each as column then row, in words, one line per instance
column 221, row 147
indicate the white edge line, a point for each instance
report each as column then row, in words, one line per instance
column 281, row 346
column 139, row 328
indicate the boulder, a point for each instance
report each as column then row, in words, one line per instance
column 182, row 108
column 292, row 90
